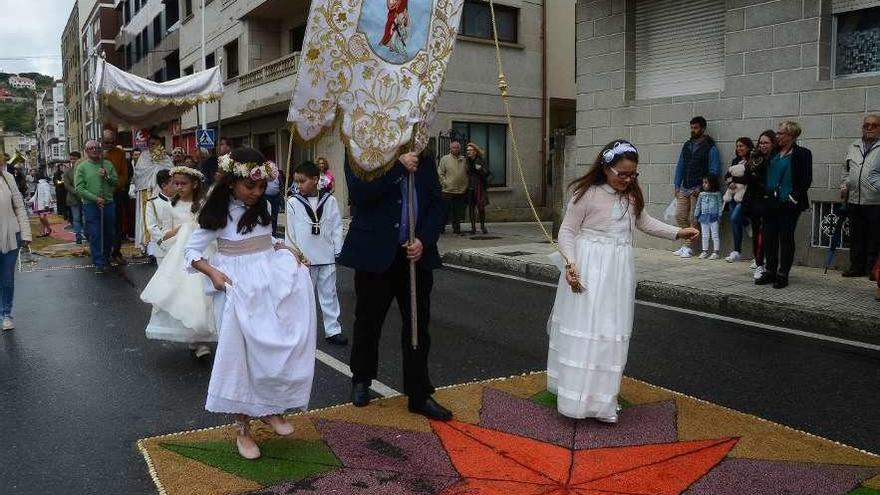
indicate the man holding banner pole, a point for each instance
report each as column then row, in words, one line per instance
column 377, row 247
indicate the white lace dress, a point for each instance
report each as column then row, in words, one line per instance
column 265, row 358
column 182, row 312
column 590, row 331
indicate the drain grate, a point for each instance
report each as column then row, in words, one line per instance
column 516, row 253
column 484, row 237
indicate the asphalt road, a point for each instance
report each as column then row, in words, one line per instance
column 79, row 383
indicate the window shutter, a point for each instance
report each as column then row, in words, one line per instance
column 679, row 47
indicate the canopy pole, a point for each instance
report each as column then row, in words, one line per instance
column 202, row 109
column 219, row 112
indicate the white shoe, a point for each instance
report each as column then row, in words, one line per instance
column 758, row 272
column 733, row 257
column 714, row 256
column 703, row 255
column 678, row 253
column 279, row 425
column 754, row 265
column 201, row 351
column 609, row 420
column 686, row 252
column 8, row 323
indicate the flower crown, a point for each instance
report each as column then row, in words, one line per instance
column 254, row 171
column 187, row 171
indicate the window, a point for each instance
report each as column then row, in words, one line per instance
column 492, row 138
column 662, row 27
column 231, row 58
column 137, row 48
column 157, row 29
column 188, row 71
column 209, row 61
column 172, row 12
column 145, row 41
column 126, row 12
column 476, row 21
column 129, row 61
column 857, row 42
column 172, row 65
column 159, row 75
column 137, row 6
column 830, row 225
column 187, row 8
column 297, row 37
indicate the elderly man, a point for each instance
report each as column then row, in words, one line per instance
column 178, row 156
column 862, row 199
column 95, row 180
column 453, row 172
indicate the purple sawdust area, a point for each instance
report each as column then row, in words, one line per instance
column 637, row 425
column 351, row 481
column 388, row 449
column 757, row 477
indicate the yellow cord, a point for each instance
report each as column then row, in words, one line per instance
column 503, row 87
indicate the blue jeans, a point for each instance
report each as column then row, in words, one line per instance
column 737, row 222
column 76, row 220
column 7, row 278
column 100, row 245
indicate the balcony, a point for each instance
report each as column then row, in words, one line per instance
column 283, row 67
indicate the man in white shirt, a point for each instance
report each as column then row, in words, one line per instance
column 314, row 228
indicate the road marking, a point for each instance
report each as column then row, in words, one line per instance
column 377, row 386
column 728, row 319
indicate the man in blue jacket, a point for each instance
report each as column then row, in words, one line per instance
column 699, row 158
column 377, row 248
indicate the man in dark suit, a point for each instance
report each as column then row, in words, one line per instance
column 377, row 248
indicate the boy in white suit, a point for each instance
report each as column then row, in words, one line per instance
column 158, row 215
column 314, row 228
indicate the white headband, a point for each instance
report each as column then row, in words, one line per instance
column 619, row 148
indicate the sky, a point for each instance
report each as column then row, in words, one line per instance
column 30, row 35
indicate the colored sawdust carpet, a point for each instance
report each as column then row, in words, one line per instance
column 508, row 439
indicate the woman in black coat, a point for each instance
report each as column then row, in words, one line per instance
column 478, row 187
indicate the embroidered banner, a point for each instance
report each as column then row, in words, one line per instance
column 378, row 65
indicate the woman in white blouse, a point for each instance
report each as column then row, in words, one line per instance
column 592, row 316
column 15, row 231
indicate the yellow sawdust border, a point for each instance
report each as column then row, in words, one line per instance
column 141, row 443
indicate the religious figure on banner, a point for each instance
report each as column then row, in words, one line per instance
column 396, row 27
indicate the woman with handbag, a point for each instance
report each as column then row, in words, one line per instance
column 788, row 179
column 15, row 232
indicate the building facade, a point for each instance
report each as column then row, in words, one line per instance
column 148, row 41
column 72, row 77
column 21, row 82
column 99, row 25
column 259, row 43
column 645, row 68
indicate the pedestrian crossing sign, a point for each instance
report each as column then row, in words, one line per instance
column 205, row 138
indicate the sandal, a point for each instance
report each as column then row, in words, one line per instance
column 247, row 448
column 279, row 425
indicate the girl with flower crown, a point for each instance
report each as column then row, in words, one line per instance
column 263, row 300
column 182, row 312
column 592, row 316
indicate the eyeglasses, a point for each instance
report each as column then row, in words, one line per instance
column 622, row 176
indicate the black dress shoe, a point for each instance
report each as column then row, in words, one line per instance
column 431, row 410
column 781, row 282
column 852, row 273
column 337, row 339
column 766, row 279
column 360, row 394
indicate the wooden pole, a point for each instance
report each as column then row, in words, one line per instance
column 287, row 166
column 411, row 214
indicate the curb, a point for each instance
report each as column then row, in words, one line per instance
column 826, row 322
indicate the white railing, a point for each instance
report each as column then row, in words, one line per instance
column 282, row 67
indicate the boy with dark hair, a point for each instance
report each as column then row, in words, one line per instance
column 314, row 228
column 159, row 214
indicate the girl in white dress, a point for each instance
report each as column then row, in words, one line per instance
column 264, row 304
column 592, row 316
column 182, row 312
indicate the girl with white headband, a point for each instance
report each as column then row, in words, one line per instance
column 592, row 316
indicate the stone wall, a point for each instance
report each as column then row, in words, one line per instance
column 777, row 57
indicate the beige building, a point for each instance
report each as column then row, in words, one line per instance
column 148, row 39
column 98, row 27
column 645, row 68
column 72, row 76
column 259, row 41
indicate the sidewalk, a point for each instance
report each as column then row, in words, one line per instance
column 814, row 302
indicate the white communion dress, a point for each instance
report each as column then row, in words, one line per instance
column 182, row 312
column 265, row 358
column 590, row 331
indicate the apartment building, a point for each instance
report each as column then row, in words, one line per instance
column 21, row 82
column 98, row 27
column 72, row 77
column 259, row 43
column 148, row 40
column 50, row 126
column 644, row 69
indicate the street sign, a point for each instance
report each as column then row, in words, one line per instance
column 205, row 138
